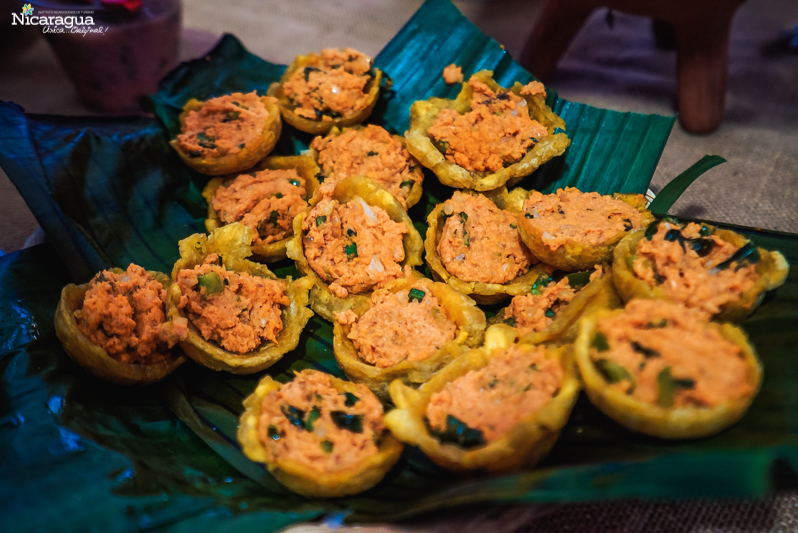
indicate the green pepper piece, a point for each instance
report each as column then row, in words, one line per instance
column 652, row 229
column 645, row 352
column 371, row 153
column 458, row 433
column 577, row 280
column 273, row 433
column 295, row 416
column 705, row 231
column 274, row 216
column 278, row 195
column 509, row 321
column 542, row 281
column 353, row 423
column 513, row 226
column 612, row 372
column 406, row 183
column 231, row 116
column 295, row 183
column 308, row 70
column 351, row 251
column 415, row 294
column 326, row 446
column 212, row 283
column 320, row 220
column 351, row 233
column 549, row 313
column 668, row 385
column 746, row 254
column 600, row 342
column 656, row 325
column 314, row 415
column 351, row 399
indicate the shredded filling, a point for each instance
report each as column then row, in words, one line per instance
column 309, row 421
column 354, row 247
column 266, row 201
column 694, row 266
column 516, row 383
column 536, row 310
column 125, row 315
column 408, row 325
column 452, row 74
column 480, row 242
column 495, row 133
column 223, row 126
column 663, row 353
column 234, row 309
column 585, row 217
column 372, row 152
column 332, row 88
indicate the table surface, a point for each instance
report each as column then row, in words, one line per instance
column 614, row 66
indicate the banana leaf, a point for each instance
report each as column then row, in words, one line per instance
column 111, row 191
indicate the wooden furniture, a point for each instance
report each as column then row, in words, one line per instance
column 702, row 46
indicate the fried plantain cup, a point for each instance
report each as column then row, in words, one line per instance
column 304, row 165
column 322, row 300
column 461, row 309
column 416, row 189
column 652, row 419
column 596, row 295
column 95, row 359
column 771, row 267
column 481, row 292
column 523, row 446
column 301, row 478
column 253, row 151
column 424, row 112
column 573, row 255
column 320, row 127
column 232, row 244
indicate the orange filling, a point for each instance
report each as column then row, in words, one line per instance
column 353, row 246
column 516, row 383
column 234, row 309
column 685, row 267
column 480, row 242
column 665, row 354
column 125, row 315
column 310, row 422
column 266, row 201
column 371, row 152
column 333, row 87
column 223, row 126
column 408, row 325
column 495, row 133
column 588, row 218
column 452, row 74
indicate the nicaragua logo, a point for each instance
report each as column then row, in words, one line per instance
column 57, row 21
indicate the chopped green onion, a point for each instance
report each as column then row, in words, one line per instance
column 326, row 446
column 612, row 372
column 353, row 423
column 513, row 226
column 600, row 342
column 577, row 280
column 351, row 251
column 314, row 415
column 350, row 232
column 212, row 283
column 458, row 433
column 295, row 183
column 645, row 352
column 351, row 399
column 542, row 281
column 320, row 220
column 278, row 195
column 231, row 116
column 668, row 385
column 509, row 321
column 273, row 433
column 705, row 231
column 371, row 153
column 406, row 183
column 416, row 295
column 549, row 313
column 294, row 415
column 274, row 216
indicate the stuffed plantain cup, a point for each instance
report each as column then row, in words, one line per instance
column 715, row 270
column 661, row 369
column 473, row 245
column 241, row 317
column 495, row 408
column 515, row 134
column 372, row 152
column 227, row 134
column 407, row 330
column 319, row 436
column 116, row 326
column 573, row 230
column 550, row 312
column 352, row 242
column 266, row 198
column 335, row 88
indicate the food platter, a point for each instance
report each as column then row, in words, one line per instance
column 110, row 191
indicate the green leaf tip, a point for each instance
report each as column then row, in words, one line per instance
column 674, row 190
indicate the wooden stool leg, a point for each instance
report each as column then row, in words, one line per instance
column 559, row 22
column 702, row 46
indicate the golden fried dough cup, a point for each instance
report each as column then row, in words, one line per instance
column 95, row 359
column 424, row 112
column 523, row 446
column 232, row 244
column 771, row 267
column 652, row 419
column 462, row 310
column 301, row 478
column 304, row 165
column 253, row 151
column 322, row 300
